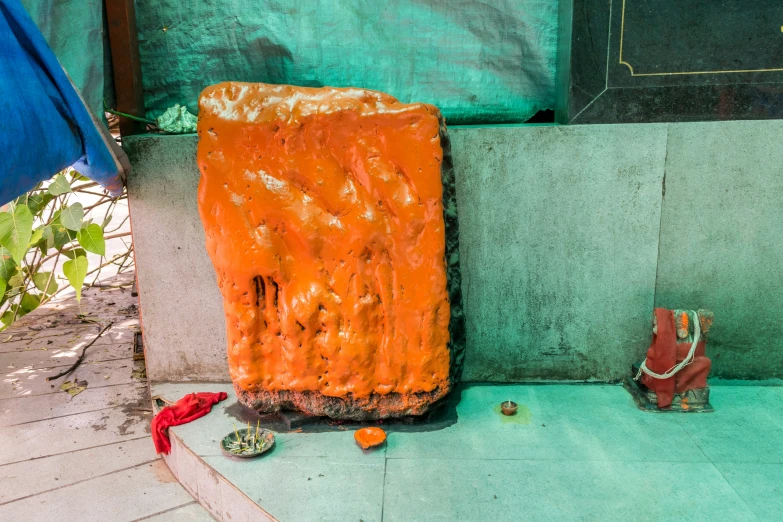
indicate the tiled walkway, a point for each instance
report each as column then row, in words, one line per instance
column 87, row 457
column 573, row 452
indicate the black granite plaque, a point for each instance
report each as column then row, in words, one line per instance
column 670, row 60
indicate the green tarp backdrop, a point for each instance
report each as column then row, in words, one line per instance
column 74, row 29
column 479, row 61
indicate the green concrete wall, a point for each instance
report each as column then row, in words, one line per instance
column 558, row 243
column 721, row 234
column 182, row 310
column 569, row 236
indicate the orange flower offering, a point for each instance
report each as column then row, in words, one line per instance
column 369, row 437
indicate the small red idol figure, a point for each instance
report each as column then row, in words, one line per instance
column 673, row 377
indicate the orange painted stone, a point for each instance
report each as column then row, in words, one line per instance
column 324, row 217
column 369, row 437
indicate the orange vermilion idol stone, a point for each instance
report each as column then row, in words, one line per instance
column 324, row 220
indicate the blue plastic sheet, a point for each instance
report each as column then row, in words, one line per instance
column 44, row 124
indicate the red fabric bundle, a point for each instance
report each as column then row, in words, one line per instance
column 188, row 408
column 665, row 352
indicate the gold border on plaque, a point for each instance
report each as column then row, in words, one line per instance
column 630, row 67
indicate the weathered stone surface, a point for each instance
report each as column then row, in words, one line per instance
column 720, row 228
column 177, row 289
column 371, row 407
column 559, row 234
column 335, row 247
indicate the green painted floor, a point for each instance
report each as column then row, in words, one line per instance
column 573, row 452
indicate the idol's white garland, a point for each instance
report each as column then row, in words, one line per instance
column 679, row 366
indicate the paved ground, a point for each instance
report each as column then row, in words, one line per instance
column 573, row 452
column 87, row 457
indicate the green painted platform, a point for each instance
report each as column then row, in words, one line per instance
column 573, row 452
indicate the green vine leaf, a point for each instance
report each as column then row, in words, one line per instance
column 74, row 253
column 16, row 280
column 61, row 237
column 3, row 286
column 47, row 239
column 37, row 202
column 41, row 278
column 29, row 302
column 76, row 270
column 16, row 229
column 37, row 236
column 59, row 186
column 91, row 238
column 8, row 315
column 7, row 265
column 71, row 217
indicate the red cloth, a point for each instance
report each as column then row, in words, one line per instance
column 665, row 352
column 188, row 408
column 695, row 374
column 661, row 356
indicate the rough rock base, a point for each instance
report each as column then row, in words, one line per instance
column 374, row 407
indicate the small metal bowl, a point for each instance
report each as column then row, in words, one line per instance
column 266, row 439
column 508, row 407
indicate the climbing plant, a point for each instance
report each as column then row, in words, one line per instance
column 45, row 236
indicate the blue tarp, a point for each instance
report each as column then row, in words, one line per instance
column 44, row 124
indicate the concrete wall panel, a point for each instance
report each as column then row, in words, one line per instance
column 181, row 307
column 558, row 244
column 721, row 233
